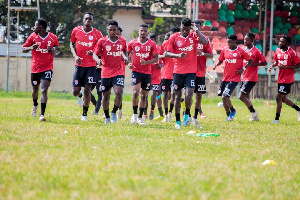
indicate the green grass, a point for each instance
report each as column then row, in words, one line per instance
column 65, row 158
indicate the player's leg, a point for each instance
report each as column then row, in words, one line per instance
column 230, row 86
column 77, row 84
column 200, row 88
column 290, row 103
column 135, row 101
column 118, row 85
column 159, row 104
column 145, row 114
column 244, row 96
column 35, row 82
column 89, row 75
column 172, row 102
column 153, row 100
column 279, row 99
column 93, row 98
column 189, row 84
column 99, row 95
column 105, row 103
column 45, row 84
column 178, row 82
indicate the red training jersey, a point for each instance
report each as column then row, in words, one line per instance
column 233, row 62
column 41, row 59
column 85, row 42
column 250, row 74
column 123, row 63
column 111, row 55
column 178, row 44
column 143, row 51
column 155, row 73
column 168, row 63
column 201, row 60
column 286, row 58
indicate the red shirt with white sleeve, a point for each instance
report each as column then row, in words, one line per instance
column 143, row 51
column 178, row 44
column 168, row 63
column 42, row 60
column 111, row 55
column 286, row 58
column 85, row 42
column 201, row 60
column 233, row 62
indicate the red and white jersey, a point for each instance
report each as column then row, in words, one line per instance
column 111, row 55
column 168, row 63
column 143, row 51
column 41, row 59
column 233, row 62
column 178, row 44
column 250, row 74
column 85, row 42
column 123, row 63
column 201, row 60
column 155, row 73
column 286, row 58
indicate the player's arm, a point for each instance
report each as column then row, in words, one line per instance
column 260, row 64
column 207, row 55
column 202, row 38
column 152, row 61
column 52, row 49
column 73, row 50
column 125, row 57
column 217, row 64
column 297, row 66
column 174, row 55
column 27, row 49
column 249, row 63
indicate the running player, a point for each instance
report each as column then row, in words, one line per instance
column 120, row 30
column 144, row 55
column 287, row 61
column 183, row 47
column 250, row 76
column 111, row 48
column 42, row 44
column 233, row 57
column 204, row 52
column 83, row 40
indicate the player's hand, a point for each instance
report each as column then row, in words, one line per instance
column 130, row 65
column 195, row 27
column 162, row 56
column 199, row 52
column 50, row 49
column 240, row 71
column 100, row 62
column 90, row 52
column 182, row 55
column 34, row 46
column 270, row 67
column 78, row 60
column 143, row 62
column 282, row 66
column 126, row 60
column 214, row 68
column 159, row 66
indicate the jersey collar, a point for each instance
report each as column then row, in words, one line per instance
column 247, row 50
column 114, row 41
column 142, row 43
column 44, row 37
column 234, row 49
column 285, row 51
column 87, row 32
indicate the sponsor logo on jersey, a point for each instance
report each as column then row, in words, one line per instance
column 179, row 43
column 143, row 55
column 115, row 54
column 282, row 62
column 86, row 44
column 231, row 60
column 90, row 37
column 108, row 48
column 137, row 49
column 189, row 48
column 234, row 54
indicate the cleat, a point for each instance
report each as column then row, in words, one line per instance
column 254, row 116
column 186, row 120
column 107, row 121
column 169, row 117
column 228, row 119
column 140, row 121
column 151, row 115
column 134, row 118
column 119, row 114
column 275, row 122
column 80, row 100
column 165, row 119
column 145, row 117
column 103, row 117
column 231, row 115
column 202, row 116
column 84, row 118
column 195, row 122
column 34, row 111
column 95, row 112
column 42, row 118
column 159, row 118
column 114, row 118
column 178, row 125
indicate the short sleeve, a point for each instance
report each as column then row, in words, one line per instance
column 99, row 35
column 73, row 38
column 170, row 44
column 245, row 55
column 295, row 58
column 154, row 49
column 56, row 43
column 129, row 46
column 275, row 57
column 260, row 56
column 208, row 47
column 222, row 57
column 124, row 47
column 29, row 41
column 98, row 47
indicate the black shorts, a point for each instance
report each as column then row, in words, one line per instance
column 155, row 87
column 145, row 79
column 166, row 85
column 107, row 83
column 284, row 88
column 247, row 86
column 36, row 77
column 184, row 80
column 226, row 88
column 98, row 80
column 200, row 86
column 84, row 76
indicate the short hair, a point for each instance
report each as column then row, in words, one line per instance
column 152, row 35
column 144, row 26
column 112, row 23
column 89, row 13
column 168, row 34
column 175, row 29
column 232, row 37
column 251, row 35
column 198, row 22
column 287, row 38
column 42, row 22
column 120, row 29
column 186, row 22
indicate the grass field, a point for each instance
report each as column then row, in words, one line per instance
column 65, row 158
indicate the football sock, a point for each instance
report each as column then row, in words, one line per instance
column 161, row 113
column 43, row 108
column 85, row 110
column 296, row 107
column 114, row 110
column 200, row 110
column 106, row 112
column 187, row 111
column 196, row 113
column 141, row 112
column 152, row 107
column 93, row 100
column 251, row 109
column 35, row 103
column 232, row 109
column 177, row 117
column 166, row 111
column 120, row 107
column 277, row 116
column 80, row 95
column 227, row 113
column 135, row 108
column 171, row 107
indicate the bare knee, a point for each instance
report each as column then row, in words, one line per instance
column 144, row 97
column 76, row 91
column 135, row 94
column 44, row 91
